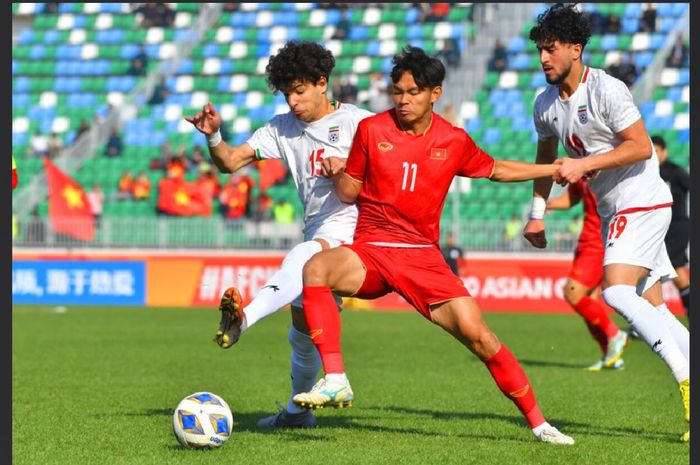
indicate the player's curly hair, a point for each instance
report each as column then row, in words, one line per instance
column 562, row 22
column 428, row 72
column 298, row 61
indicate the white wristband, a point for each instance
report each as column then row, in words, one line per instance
column 539, row 205
column 214, row 139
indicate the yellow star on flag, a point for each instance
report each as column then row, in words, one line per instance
column 181, row 198
column 73, row 196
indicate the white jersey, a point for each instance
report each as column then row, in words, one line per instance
column 303, row 146
column 586, row 124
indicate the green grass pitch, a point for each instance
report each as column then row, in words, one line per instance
column 98, row 386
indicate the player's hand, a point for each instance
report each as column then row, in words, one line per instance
column 332, row 166
column 207, row 121
column 557, row 177
column 571, row 169
column 534, row 233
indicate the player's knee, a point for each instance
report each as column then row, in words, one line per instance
column 482, row 342
column 573, row 292
column 315, row 272
column 619, row 297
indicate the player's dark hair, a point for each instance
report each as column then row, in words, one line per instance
column 658, row 140
column 428, row 72
column 562, row 22
column 298, row 61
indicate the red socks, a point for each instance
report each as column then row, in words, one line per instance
column 599, row 323
column 513, row 382
column 323, row 321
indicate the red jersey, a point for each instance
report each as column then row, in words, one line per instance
column 591, row 236
column 405, row 177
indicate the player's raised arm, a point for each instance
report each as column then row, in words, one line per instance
column 228, row 159
column 513, row 171
column 565, row 201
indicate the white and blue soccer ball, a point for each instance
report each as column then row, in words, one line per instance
column 202, row 420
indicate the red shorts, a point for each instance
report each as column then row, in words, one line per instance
column 419, row 275
column 588, row 266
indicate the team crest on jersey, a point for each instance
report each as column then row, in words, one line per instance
column 583, row 114
column 333, row 134
column 438, row 154
column 384, row 146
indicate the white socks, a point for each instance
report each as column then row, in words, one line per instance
column 651, row 326
column 678, row 330
column 306, row 363
column 283, row 287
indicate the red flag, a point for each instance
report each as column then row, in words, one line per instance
column 271, row 170
column 14, row 174
column 69, row 209
column 178, row 197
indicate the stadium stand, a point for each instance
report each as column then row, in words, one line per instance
column 72, row 65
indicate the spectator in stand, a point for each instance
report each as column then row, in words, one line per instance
column 36, row 229
column 141, row 187
column 511, row 236
column 424, row 11
column 82, row 129
column 599, row 22
column 379, row 93
column 647, row 23
column 136, row 68
column 678, row 54
column 55, row 144
column 198, row 160
column 342, row 28
column 166, row 153
column 263, row 208
column 614, row 25
column 96, row 199
column 625, row 70
column 347, row 92
column 235, row 197
column 450, row 54
column 115, row 145
column 208, row 180
column 499, row 59
column 283, row 212
column 450, row 114
column 230, row 7
column 38, row 145
column 124, row 186
column 438, row 12
column 155, row 14
column 452, row 253
column 160, row 93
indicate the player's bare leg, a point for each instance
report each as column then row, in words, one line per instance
column 339, row 269
column 461, row 317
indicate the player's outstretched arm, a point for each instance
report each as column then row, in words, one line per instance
column 228, row 159
column 564, row 201
column 513, row 171
column 347, row 188
column 635, row 146
column 534, row 230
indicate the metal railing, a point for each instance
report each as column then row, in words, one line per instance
column 217, row 233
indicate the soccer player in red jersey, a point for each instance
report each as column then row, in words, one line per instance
column 400, row 167
column 586, row 275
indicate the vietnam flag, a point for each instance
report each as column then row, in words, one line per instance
column 14, row 174
column 178, row 197
column 69, row 209
column 271, row 170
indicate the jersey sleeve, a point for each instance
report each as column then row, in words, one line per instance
column 616, row 104
column 264, row 141
column 476, row 162
column 544, row 132
column 357, row 160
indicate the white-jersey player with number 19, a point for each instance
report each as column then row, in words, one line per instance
column 314, row 139
column 602, row 131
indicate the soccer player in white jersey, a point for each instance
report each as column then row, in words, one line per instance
column 602, row 131
column 314, row 138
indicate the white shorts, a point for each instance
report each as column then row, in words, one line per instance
column 637, row 238
column 335, row 232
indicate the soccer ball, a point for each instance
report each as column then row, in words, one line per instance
column 203, row 421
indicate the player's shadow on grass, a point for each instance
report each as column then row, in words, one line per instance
column 550, row 363
column 569, row 427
